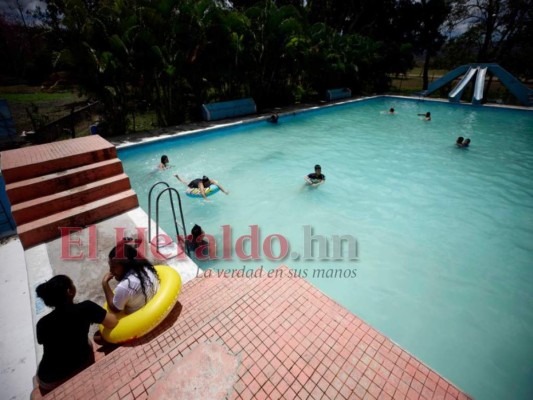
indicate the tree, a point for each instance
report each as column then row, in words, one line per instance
column 422, row 23
column 493, row 31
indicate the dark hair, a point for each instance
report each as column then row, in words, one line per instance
column 55, row 291
column 206, row 179
column 467, row 140
column 133, row 263
column 318, row 167
column 163, row 158
column 428, row 114
column 196, row 231
column 460, row 139
column 391, row 110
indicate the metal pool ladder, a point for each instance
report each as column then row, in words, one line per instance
column 170, row 191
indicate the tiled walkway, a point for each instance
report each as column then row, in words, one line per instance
column 291, row 341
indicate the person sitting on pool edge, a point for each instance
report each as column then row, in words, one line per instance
column 164, row 162
column 201, row 184
column 137, row 279
column 316, row 178
column 427, row 116
column 63, row 332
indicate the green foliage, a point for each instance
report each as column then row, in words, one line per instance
column 177, row 54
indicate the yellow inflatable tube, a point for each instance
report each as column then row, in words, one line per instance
column 139, row 323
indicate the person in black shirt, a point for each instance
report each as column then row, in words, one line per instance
column 316, row 178
column 201, row 184
column 63, row 332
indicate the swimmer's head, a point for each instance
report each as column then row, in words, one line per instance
column 196, row 231
column 460, row 140
column 164, row 159
column 318, row 168
column 467, row 141
column 428, row 114
column 206, row 181
column 391, row 110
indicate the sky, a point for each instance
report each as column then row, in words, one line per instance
column 9, row 8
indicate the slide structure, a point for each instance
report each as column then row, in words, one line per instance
column 457, row 92
column 479, row 71
column 480, row 85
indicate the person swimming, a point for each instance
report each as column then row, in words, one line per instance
column 462, row 143
column 273, row 119
column 391, row 111
column 201, row 184
column 427, row 116
column 316, row 178
column 164, row 163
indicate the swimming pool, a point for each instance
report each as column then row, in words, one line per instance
column 444, row 235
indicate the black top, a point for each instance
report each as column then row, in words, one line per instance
column 194, row 184
column 318, row 177
column 63, row 334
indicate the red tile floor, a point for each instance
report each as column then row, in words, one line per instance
column 291, row 341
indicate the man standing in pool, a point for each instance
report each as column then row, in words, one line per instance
column 316, row 178
column 201, row 184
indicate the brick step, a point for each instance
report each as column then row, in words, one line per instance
column 34, row 161
column 45, row 185
column 43, row 206
column 47, row 228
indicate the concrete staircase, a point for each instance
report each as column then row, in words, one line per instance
column 72, row 183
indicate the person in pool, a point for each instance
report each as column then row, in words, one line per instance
column 273, row 119
column 461, row 143
column 196, row 238
column 391, row 110
column 137, row 279
column 316, row 178
column 427, row 116
column 201, row 184
column 164, row 163
column 63, row 332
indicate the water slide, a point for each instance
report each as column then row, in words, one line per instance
column 443, row 80
column 480, row 85
column 517, row 88
column 455, row 94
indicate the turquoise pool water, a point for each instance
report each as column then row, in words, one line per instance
column 444, row 235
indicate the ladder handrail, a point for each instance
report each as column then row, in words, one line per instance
column 150, row 206
column 170, row 190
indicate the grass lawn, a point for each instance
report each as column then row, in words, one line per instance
column 49, row 106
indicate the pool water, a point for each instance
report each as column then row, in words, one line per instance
column 444, row 235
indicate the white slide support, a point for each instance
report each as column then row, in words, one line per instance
column 455, row 94
column 480, row 86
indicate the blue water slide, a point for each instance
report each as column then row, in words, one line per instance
column 480, row 86
column 456, row 93
column 517, row 88
column 450, row 76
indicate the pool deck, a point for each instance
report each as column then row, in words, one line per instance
column 278, row 336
